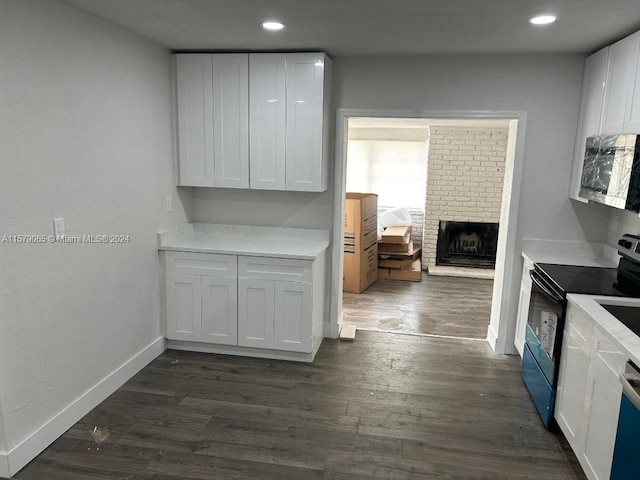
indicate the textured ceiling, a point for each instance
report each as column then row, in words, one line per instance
column 344, row 27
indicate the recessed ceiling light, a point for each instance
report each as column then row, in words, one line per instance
column 543, row 19
column 272, row 26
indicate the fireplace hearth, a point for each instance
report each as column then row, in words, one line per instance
column 467, row 244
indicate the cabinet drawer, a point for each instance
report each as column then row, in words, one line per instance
column 282, row 269
column 210, row 264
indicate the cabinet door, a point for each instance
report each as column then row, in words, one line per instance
column 632, row 121
column 231, row 119
column 267, row 113
column 604, row 393
column 184, row 310
column 195, row 120
column 622, row 57
column 595, row 70
column 220, row 310
column 255, row 313
column 572, row 379
column 304, row 154
column 292, row 318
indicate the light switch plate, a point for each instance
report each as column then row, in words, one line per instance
column 169, row 203
column 58, row 227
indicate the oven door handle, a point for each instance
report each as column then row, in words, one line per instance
column 631, row 393
column 535, row 279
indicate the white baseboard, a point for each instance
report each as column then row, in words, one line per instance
column 492, row 337
column 12, row 461
column 4, row 465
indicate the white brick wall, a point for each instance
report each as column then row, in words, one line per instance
column 464, row 179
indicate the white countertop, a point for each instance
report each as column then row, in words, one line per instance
column 298, row 243
column 569, row 253
column 625, row 338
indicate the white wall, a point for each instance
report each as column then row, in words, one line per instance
column 85, row 134
column 628, row 222
column 547, row 87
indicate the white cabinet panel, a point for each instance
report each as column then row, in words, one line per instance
column 231, row 119
column 603, row 404
column 195, row 119
column 267, row 113
column 219, row 310
column 184, row 313
column 523, row 306
column 572, row 380
column 255, row 313
column 595, row 70
column 304, row 152
column 293, row 312
column 622, row 62
column 632, row 121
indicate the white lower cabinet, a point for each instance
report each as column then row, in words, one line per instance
column 589, row 393
column 275, row 298
column 255, row 304
column 201, row 297
column 572, row 378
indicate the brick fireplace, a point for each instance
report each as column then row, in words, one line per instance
column 465, row 176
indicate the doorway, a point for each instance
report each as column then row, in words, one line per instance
column 492, row 295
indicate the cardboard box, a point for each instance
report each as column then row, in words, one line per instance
column 360, row 243
column 360, row 269
column 394, row 263
column 412, row 274
column 361, row 214
column 394, row 248
column 396, row 234
column 383, row 273
column 415, row 254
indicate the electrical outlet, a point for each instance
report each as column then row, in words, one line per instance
column 169, row 203
column 58, row 227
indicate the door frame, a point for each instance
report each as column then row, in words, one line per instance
column 501, row 328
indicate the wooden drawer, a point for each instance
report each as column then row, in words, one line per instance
column 210, row 264
column 282, row 269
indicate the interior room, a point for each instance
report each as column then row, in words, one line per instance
column 464, row 161
column 172, row 241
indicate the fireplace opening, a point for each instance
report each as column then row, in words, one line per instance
column 467, row 244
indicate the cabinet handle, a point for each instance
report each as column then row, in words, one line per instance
column 628, row 389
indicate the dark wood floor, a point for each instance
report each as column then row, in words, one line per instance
column 384, row 406
column 458, row 307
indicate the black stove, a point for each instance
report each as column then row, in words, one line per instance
column 623, row 281
column 550, row 284
column 586, row 280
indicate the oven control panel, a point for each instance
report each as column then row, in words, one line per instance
column 629, row 245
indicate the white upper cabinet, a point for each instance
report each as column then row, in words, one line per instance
column 231, row 120
column 267, row 83
column 621, row 111
column 307, row 88
column 595, row 70
column 195, row 119
column 259, row 120
column 213, row 120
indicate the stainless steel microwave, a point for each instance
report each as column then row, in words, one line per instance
column 611, row 171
